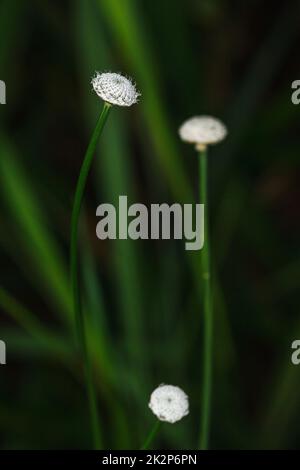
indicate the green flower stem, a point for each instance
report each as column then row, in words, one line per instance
column 151, row 435
column 208, row 314
column 79, row 319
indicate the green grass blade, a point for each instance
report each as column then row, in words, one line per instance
column 126, row 27
column 31, row 232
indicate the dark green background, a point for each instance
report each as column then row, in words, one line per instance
column 234, row 60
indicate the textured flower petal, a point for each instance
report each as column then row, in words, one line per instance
column 115, row 89
column 169, row 403
column 203, row 130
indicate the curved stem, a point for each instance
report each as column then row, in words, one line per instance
column 151, row 435
column 79, row 319
column 208, row 314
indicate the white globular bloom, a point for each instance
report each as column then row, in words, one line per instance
column 203, row 131
column 169, row 403
column 115, row 89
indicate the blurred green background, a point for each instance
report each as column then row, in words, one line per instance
column 234, row 60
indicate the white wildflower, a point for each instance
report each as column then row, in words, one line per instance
column 202, row 131
column 169, row 403
column 115, row 89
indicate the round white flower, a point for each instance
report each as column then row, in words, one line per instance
column 169, row 403
column 202, row 131
column 115, row 89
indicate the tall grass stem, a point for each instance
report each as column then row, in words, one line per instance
column 207, row 310
column 77, row 305
column 151, row 435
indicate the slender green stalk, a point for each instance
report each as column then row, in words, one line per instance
column 151, row 435
column 79, row 318
column 208, row 314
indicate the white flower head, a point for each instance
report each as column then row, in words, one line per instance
column 169, row 403
column 202, row 131
column 115, row 89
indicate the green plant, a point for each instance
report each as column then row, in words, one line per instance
column 202, row 131
column 114, row 89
